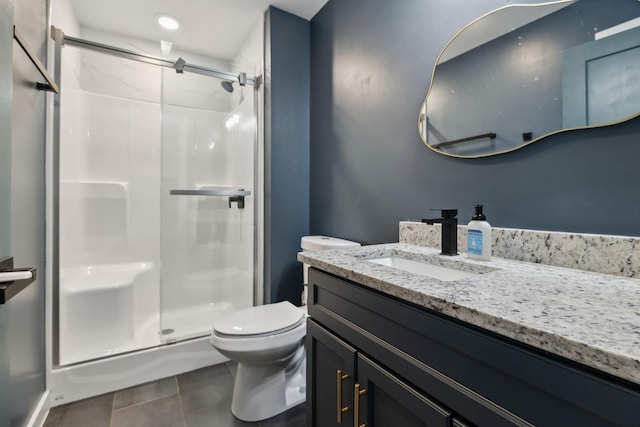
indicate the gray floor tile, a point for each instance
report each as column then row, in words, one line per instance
column 218, row 415
column 145, row 392
column 294, row 417
column 164, row 412
column 207, row 387
column 206, row 376
column 97, row 410
column 200, row 398
column 207, row 395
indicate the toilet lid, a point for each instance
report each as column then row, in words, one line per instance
column 261, row 319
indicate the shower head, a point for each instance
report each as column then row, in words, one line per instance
column 227, row 85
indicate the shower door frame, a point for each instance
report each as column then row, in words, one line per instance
column 53, row 190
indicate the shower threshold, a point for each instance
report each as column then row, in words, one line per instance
column 71, row 383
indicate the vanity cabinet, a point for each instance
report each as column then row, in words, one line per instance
column 401, row 364
column 348, row 385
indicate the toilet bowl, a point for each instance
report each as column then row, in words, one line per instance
column 267, row 342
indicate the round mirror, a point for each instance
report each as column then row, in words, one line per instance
column 523, row 72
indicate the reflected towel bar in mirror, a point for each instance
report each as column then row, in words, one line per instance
column 490, row 135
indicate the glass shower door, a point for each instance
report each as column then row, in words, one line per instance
column 207, row 243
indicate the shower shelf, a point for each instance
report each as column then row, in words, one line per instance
column 211, row 192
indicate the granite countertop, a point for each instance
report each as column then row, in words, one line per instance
column 590, row 318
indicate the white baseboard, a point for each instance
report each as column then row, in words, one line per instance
column 40, row 413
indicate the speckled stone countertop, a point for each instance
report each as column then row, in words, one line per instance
column 590, row 318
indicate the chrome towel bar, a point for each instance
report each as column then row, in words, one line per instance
column 11, row 276
column 13, row 281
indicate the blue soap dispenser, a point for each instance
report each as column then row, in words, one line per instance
column 479, row 236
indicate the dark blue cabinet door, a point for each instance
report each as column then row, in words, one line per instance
column 383, row 399
column 330, row 378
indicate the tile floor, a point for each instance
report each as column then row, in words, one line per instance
column 200, row 398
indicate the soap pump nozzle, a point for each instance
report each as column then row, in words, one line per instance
column 479, row 216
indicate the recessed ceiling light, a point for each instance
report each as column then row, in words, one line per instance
column 168, row 22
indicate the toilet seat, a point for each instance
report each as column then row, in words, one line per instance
column 260, row 321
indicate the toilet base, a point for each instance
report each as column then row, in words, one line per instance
column 263, row 391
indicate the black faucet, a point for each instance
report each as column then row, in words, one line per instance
column 449, row 245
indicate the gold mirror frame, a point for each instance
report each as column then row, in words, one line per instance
column 422, row 117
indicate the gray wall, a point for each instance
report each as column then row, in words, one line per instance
column 371, row 61
column 6, row 85
column 22, row 332
column 286, row 152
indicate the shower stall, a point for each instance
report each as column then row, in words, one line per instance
column 153, row 212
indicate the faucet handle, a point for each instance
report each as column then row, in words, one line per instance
column 447, row 213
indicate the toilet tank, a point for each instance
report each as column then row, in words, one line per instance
column 319, row 243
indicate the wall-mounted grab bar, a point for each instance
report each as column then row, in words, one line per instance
column 490, row 135
column 12, row 281
column 50, row 86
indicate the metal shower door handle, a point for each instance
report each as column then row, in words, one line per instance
column 235, row 196
column 212, row 191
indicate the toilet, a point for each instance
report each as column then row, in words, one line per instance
column 267, row 342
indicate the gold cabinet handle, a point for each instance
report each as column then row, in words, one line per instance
column 356, row 405
column 341, row 410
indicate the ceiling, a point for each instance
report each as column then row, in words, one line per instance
column 217, row 28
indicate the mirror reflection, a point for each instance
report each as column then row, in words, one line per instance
column 523, row 72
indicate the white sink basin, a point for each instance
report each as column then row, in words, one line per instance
column 425, row 268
